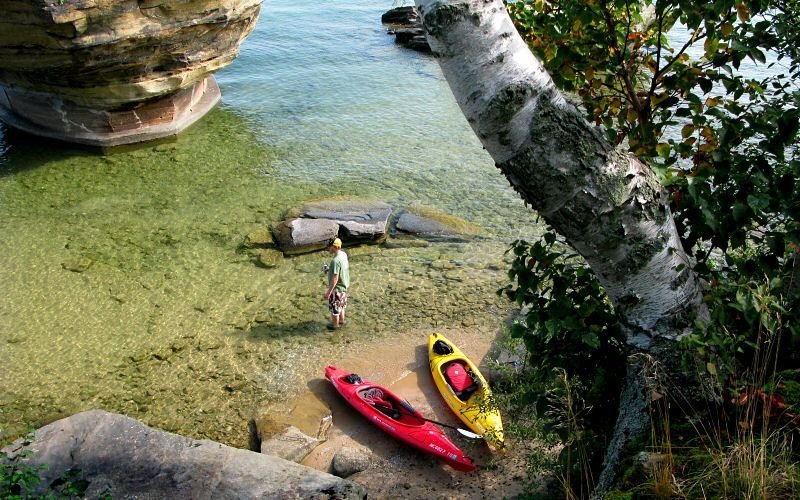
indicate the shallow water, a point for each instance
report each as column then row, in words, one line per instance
column 171, row 322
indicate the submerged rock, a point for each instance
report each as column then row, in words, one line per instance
column 430, row 223
column 77, row 264
column 111, row 72
column 122, row 457
column 270, row 258
column 405, row 243
column 258, row 238
column 416, row 224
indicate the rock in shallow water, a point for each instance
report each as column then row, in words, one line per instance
column 308, row 227
column 404, row 22
column 430, row 223
column 270, row 258
column 258, row 238
column 77, row 264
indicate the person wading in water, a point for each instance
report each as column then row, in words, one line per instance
column 338, row 283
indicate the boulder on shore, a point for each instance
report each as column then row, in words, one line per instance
column 349, row 460
column 122, row 457
column 291, row 444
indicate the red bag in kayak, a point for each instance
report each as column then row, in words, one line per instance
column 458, row 377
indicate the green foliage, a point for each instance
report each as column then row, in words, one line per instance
column 617, row 57
column 574, row 421
column 19, row 479
column 787, row 382
column 569, row 322
column 573, row 340
column 618, row 495
column 750, row 326
column 724, row 142
column 750, row 450
column 787, row 25
column 750, row 466
column 486, row 404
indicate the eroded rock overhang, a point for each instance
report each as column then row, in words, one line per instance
column 112, row 72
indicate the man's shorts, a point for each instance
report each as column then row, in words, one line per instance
column 337, row 303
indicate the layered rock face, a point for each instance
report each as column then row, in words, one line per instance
column 110, row 72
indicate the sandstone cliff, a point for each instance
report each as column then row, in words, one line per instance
column 115, row 71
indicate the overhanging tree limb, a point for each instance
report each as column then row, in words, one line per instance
column 609, row 205
column 606, row 203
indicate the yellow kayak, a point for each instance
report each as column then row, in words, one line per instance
column 464, row 389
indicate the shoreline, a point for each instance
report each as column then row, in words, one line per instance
column 397, row 470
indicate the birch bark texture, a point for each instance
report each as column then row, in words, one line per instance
column 607, row 204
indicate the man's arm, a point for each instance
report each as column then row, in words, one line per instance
column 334, row 281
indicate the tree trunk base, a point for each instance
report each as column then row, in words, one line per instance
column 632, row 417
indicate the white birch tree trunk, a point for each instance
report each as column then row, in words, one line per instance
column 606, row 203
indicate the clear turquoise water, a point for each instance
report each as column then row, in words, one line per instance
column 172, row 323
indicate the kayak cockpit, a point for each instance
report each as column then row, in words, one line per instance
column 389, row 405
column 461, row 379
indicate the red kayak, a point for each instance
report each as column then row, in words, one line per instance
column 395, row 416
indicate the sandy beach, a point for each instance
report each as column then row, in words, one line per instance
column 397, row 470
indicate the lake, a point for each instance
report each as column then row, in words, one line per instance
column 125, row 286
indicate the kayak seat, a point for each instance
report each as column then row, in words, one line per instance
column 376, row 398
column 353, row 379
column 461, row 379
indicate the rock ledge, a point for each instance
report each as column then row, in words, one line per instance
column 111, row 72
column 121, row 456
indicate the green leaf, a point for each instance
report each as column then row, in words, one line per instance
column 663, row 149
column 591, row 339
column 758, row 56
column 740, row 211
column 705, row 84
column 518, row 330
column 758, row 202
